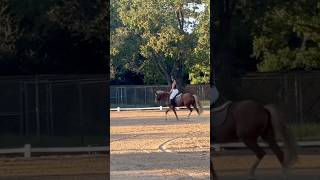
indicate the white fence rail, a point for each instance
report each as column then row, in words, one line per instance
column 220, row 147
column 27, row 150
column 160, row 108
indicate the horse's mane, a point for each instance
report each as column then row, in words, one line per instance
column 161, row 92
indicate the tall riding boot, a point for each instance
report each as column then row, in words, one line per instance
column 173, row 102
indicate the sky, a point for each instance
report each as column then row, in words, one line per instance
column 199, row 8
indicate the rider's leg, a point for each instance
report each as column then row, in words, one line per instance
column 172, row 102
column 173, row 95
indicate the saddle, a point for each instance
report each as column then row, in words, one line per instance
column 177, row 99
column 220, row 113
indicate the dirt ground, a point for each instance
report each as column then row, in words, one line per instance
column 146, row 146
column 236, row 167
column 66, row 167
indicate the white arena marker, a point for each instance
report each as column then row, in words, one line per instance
column 160, row 108
column 27, row 150
column 118, row 109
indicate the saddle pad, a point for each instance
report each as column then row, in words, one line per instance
column 178, row 98
column 220, row 114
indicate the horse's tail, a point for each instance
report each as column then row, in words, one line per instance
column 278, row 120
column 198, row 103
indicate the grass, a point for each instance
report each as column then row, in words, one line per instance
column 306, row 131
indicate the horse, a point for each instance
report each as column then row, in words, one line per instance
column 186, row 99
column 249, row 120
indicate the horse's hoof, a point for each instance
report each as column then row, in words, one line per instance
column 214, row 178
column 284, row 176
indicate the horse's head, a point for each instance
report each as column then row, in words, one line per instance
column 159, row 96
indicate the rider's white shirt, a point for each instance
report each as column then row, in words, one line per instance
column 173, row 93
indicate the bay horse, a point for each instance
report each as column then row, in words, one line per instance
column 247, row 121
column 186, row 99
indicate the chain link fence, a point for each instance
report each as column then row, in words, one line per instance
column 53, row 110
column 298, row 92
column 144, row 96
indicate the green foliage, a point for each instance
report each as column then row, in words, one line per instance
column 53, row 36
column 9, row 30
column 152, row 39
column 88, row 18
column 306, row 131
column 200, row 68
column 289, row 37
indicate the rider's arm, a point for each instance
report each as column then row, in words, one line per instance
column 174, row 83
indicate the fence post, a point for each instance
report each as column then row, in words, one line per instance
column 37, row 105
column 145, row 95
column 160, row 108
column 51, row 110
column 21, row 107
column 296, row 97
column 300, row 99
column 118, row 109
column 80, row 102
column 217, row 148
column 27, row 150
column 135, row 97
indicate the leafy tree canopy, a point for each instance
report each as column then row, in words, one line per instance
column 289, row 37
column 153, row 38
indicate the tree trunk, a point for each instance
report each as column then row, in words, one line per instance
column 224, row 48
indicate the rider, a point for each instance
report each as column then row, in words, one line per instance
column 174, row 91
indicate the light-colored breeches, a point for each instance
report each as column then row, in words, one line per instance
column 174, row 93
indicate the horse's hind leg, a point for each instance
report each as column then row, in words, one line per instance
column 252, row 144
column 190, row 109
column 213, row 174
column 196, row 108
column 271, row 140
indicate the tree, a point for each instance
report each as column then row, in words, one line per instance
column 124, row 48
column 200, row 68
column 53, row 36
column 85, row 25
column 9, row 30
column 289, row 37
column 159, row 30
column 88, row 18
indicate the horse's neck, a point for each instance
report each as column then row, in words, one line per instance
column 165, row 95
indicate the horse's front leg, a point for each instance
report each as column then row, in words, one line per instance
column 167, row 112
column 213, row 173
column 175, row 113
